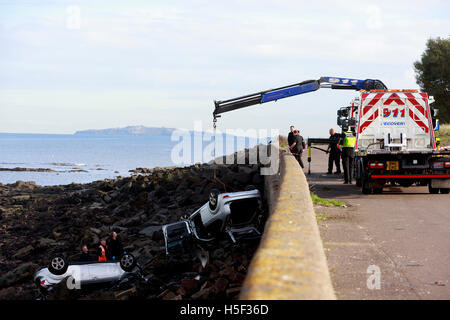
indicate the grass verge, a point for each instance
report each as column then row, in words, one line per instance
column 330, row 203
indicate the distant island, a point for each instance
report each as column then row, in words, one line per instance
column 128, row 131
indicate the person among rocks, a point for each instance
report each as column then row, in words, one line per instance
column 115, row 247
column 297, row 147
column 102, row 251
column 85, row 256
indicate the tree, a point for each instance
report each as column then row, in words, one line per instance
column 433, row 74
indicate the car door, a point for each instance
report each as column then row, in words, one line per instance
column 104, row 271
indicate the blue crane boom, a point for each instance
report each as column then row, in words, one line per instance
column 293, row 90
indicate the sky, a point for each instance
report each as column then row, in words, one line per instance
column 75, row 65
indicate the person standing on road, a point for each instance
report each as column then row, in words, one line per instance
column 297, row 147
column 290, row 137
column 334, row 152
column 348, row 155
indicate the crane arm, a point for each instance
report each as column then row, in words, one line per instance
column 295, row 89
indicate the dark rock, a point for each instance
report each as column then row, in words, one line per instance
column 202, row 294
column 21, row 273
column 150, row 230
column 24, row 252
column 220, row 285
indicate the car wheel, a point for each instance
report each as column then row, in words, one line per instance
column 213, row 199
column 127, row 262
column 444, row 190
column 58, row 265
column 432, row 190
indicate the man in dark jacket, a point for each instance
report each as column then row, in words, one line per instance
column 297, row 147
column 335, row 152
column 290, row 137
column 115, row 247
column 85, row 256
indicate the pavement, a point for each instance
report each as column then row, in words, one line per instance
column 394, row 245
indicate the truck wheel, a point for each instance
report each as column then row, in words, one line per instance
column 378, row 190
column 366, row 190
column 359, row 174
column 365, row 186
column 444, row 190
column 58, row 265
column 432, row 190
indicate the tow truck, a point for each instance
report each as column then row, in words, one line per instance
column 395, row 141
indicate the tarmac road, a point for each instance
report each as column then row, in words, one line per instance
column 404, row 231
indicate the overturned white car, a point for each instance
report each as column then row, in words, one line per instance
column 237, row 214
column 81, row 273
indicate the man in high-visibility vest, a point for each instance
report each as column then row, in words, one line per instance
column 102, row 251
column 348, row 155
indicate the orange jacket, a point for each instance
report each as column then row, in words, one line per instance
column 102, row 256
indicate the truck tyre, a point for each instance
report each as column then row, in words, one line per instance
column 432, row 190
column 444, row 190
column 58, row 265
column 366, row 190
column 365, row 186
column 378, row 190
column 358, row 174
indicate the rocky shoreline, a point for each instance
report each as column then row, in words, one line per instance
column 37, row 222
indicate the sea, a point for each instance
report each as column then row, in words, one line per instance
column 86, row 158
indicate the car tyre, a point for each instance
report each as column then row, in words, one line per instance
column 58, row 265
column 128, row 262
column 213, row 198
column 444, row 190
